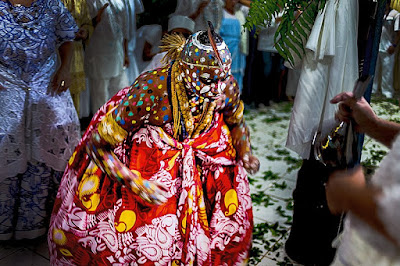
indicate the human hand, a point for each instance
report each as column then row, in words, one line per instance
column 360, row 111
column 151, row 191
column 60, row 82
column 341, row 184
column 100, row 13
column 391, row 49
column 82, row 34
column 126, row 60
column 251, row 163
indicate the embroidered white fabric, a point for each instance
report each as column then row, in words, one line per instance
column 104, row 56
column 34, row 126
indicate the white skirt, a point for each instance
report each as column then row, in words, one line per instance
column 330, row 66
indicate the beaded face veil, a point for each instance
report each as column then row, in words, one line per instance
column 205, row 63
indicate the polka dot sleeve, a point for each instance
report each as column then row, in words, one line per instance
column 233, row 116
column 146, row 102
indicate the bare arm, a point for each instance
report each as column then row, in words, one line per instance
column 245, row 2
column 126, row 57
column 392, row 48
column 365, row 118
column 62, row 79
column 347, row 191
column 384, row 131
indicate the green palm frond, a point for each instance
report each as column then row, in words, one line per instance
column 293, row 31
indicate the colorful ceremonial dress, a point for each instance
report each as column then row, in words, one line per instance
column 207, row 216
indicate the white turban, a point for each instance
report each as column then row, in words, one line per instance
column 182, row 22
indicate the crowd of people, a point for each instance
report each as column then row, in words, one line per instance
column 159, row 175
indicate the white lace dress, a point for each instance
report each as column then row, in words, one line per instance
column 362, row 245
column 38, row 132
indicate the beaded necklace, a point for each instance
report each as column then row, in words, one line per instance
column 182, row 111
column 28, row 16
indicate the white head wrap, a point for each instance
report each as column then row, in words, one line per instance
column 179, row 21
column 151, row 34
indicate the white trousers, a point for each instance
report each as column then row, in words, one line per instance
column 383, row 81
column 101, row 90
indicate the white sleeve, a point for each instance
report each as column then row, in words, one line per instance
column 397, row 22
column 388, row 205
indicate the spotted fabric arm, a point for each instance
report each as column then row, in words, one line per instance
column 234, row 118
column 140, row 105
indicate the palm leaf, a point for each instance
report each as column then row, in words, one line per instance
column 293, row 32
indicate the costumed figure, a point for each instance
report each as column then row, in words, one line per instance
column 159, row 176
column 39, row 127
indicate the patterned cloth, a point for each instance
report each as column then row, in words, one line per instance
column 37, row 131
column 26, row 202
column 207, row 219
column 34, row 126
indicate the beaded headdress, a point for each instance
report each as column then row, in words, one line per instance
column 202, row 63
column 204, row 49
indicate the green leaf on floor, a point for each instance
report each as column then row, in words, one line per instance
column 269, row 175
column 262, row 199
column 281, row 186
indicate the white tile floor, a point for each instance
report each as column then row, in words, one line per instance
column 271, row 190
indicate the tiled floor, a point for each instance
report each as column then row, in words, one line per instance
column 24, row 253
column 271, row 188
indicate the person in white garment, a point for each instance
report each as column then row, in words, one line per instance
column 201, row 11
column 390, row 38
column 371, row 234
column 176, row 25
column 106, row 55
column 148, row 39
column 134, row 7
column 292, row 83
column 329, row 67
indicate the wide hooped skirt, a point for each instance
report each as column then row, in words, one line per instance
column 207, row 219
